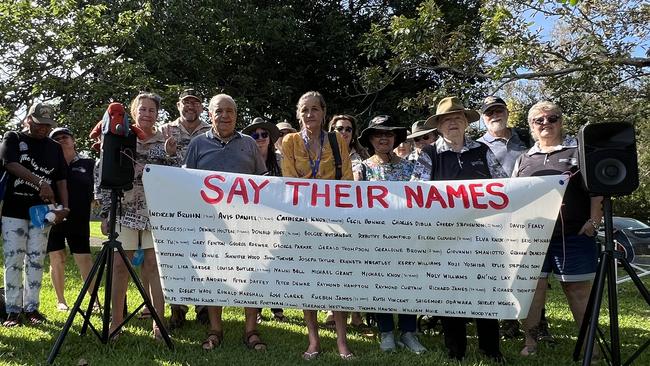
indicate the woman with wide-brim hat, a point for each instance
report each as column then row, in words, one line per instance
column 382, row 135
column 421, row 135
column 456, row 156
column 265, row 135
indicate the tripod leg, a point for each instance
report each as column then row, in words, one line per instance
column 147, row 300
column 590, row 323
column 615, row 342
column 93, row 295
column 84, row 289
column 637, row 280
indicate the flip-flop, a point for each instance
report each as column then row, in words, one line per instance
column 308, row 356
column 62, row 306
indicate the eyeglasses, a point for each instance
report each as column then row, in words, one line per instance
column 343, row 128
column 425, row 138
column 492, row 111
column 258, row 136
column 549, row 119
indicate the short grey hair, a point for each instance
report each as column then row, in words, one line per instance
column 544, row 106
column 213, row 102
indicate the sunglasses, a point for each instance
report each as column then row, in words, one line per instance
column 492, row 111
column 343, row 128
column 419, row 138
column 258, row 136
column 549, row 119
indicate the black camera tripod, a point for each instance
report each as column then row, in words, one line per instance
column 105, row 261
column 606, row 272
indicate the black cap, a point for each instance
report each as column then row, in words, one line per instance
column 189, row 93
column 384, row 123
column 492, row 101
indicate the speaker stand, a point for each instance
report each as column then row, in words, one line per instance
column 606, row 274
column 105, row 261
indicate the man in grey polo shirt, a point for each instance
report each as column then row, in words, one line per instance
column 226, row 150
column 506, row 143
column 182, row 130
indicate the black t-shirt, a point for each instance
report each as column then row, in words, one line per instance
column 43, row 157
column 80, row 189
column 576, row 204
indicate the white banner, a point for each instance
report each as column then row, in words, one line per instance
column 463, row 248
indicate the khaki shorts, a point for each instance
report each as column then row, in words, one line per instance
column 129, row 238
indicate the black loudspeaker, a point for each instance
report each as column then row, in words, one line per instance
column 608, row 159
column 116, row 161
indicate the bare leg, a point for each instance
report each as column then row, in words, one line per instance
column 57, row 274
column 534, row 316
column 150, row 267
column 341, row 317
column 577, row 294
column 311, row 322
column 214, row 314
column 84, row 263
column 251, row 325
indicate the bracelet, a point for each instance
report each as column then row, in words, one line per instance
column 593, row 223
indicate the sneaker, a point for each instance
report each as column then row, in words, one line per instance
column 510, row 329
column 387, row 342
column 35, row 318
column 13, row 320
column 410, row 341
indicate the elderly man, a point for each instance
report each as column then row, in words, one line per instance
column 224, row 149
column 179, row 133
column 37, row 168
column 506, row 145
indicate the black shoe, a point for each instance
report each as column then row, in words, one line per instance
column 13, row 320
column 35, row 318
column 544, row 334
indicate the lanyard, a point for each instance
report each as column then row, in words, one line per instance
column 314, row 165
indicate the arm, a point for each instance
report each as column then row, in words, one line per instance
column 45, row 190
column 345, row 158
column 62, row 188
column 288, row 159
column 595, row 216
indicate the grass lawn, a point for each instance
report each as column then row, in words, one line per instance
column 31, row 345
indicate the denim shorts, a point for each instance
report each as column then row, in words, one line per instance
column 573, row 260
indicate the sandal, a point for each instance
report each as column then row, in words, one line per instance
column 255, row 344
column 13, row 320
column 214, row 340
column 308, row 356
column 347, row 357
column 62, row 306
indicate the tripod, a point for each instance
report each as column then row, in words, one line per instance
column 105, row 261
column 606, row 272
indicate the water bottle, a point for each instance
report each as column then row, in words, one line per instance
column 138, row 257
column 42, row 215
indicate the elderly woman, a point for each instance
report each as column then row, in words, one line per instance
column 133, row 228
column 382, row 135
column 572, row 252
column 455, row 156
column 308, row 154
